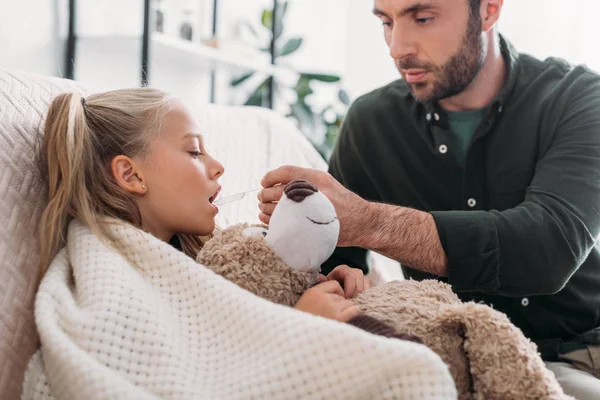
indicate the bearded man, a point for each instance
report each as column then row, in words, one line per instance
column 481, row 168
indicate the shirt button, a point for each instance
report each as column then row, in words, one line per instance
column 525, row 302
column 436, row 116
column 500, row 109
column 471, row 203
column 428, row 117
column 443, row 149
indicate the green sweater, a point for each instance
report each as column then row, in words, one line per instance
column 519, row 214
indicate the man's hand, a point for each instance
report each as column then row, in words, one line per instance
column 350, row 208
column 353, row 280
column 327, row 300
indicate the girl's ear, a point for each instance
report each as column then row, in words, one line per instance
column 128, row 175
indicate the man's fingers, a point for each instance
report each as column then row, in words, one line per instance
column 286, row 174
column 349, row 313
column 282, row 175
column 271, row 194
column 267, row 208
column 264, row 218
column 322, row 278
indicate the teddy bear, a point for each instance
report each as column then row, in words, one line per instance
column 488, row 357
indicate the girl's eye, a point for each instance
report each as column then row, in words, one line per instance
column 196, row 154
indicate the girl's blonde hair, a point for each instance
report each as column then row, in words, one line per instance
column 81, row 137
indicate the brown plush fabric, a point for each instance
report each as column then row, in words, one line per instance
column 378, row 327
column 488, row 357
column 250, row 263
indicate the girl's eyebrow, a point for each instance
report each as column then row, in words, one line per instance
column 192, row 135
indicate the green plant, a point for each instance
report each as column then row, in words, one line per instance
column 321, row 126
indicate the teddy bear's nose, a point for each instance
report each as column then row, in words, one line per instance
column 299, row 189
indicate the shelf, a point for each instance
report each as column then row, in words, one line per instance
column 179, row 48
column 167, row 49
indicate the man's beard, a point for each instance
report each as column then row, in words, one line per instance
column 456, row 74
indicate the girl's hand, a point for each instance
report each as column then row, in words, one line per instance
column 353, row 280
column 327, row 300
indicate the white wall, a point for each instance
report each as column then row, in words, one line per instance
column 368, row 64
column 341, row 36
column 559, row 28
column 29, row 36
column 322, row 25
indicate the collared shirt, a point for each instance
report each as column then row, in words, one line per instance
column 519, row 221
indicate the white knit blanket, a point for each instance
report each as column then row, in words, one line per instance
column 163, row 326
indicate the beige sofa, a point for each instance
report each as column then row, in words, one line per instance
column 248, row 141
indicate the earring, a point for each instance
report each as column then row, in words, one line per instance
column 144, row 187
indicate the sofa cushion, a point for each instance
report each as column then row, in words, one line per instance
column 23, row 103
column 248, row 141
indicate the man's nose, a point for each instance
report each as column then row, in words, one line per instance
column 401, row 43
column 299, row 189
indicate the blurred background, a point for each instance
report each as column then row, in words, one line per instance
column 307, row 59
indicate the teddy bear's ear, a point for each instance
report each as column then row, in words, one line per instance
column 255, row 231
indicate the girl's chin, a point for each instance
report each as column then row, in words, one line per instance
column 202, row 228
column 208, row 227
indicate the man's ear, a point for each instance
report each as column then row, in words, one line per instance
column 490, row 12
column 127, row 174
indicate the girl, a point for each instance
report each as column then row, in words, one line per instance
column 136, row 155
column 123, row 310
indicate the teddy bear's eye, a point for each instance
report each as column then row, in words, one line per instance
column 264, row 233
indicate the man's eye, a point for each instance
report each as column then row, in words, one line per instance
column 388, row 24
column 424, row 21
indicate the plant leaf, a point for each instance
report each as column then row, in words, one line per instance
column 267, row 19
column 303, row 89
column 322, row 77
column 259, row 96
column 331, row 135
column 343, row 96
column 326, row 109
column 304, row 115
column 256, row 99
column 281, row 12
column 284, row 8
column 290, row 46
column 241, row 79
